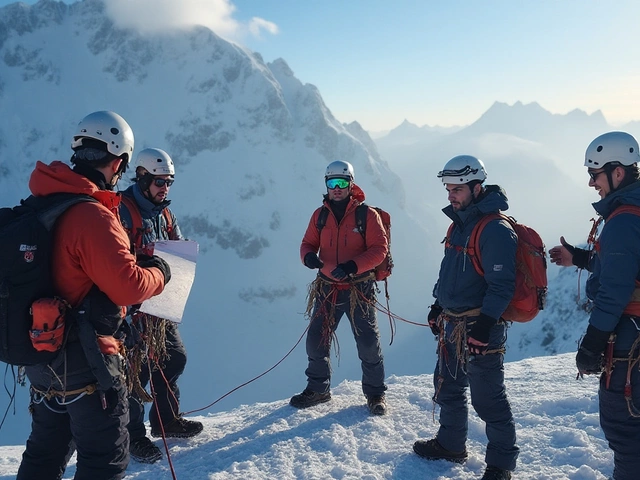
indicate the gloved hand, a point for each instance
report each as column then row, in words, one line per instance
column 590, row 356
column 580, row 256
column 432, row 318
column 157, row 262
column 142, row 257
column 478, row 336
column 343, row 270
column 104, row 315
column 312, row 261
column 566, row 255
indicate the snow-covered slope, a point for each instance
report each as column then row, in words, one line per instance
column 556, row 424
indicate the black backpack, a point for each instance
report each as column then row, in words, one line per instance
column 25, row 271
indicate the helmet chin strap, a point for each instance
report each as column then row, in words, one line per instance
column 474, row 197
column 118, row 175
column 610, row 180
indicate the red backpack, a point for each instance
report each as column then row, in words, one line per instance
column 531, row 267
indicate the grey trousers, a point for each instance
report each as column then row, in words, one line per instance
column 365, row 331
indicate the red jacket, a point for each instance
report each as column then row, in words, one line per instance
column 339, row 243
column 90, row 245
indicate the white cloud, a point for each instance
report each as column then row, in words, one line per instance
column 257, row 24
column 149, row 16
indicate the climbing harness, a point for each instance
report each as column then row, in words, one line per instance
column 323, row 296
column 458, row 340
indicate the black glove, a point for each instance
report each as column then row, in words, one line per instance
column 432, row 318
column 104, row 315
column 343, row 270
column 156, row 261
column 129, row 335
column 482, row 328
column 590, row 356
column 580, row 256
column 312, row 261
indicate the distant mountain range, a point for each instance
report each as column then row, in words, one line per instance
column 530, row 121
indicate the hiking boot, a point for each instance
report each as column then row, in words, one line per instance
column 144, row 450
column 495, row 473
column 309, row 398
column 376, row 404
column 178, row 428
column 432, row 450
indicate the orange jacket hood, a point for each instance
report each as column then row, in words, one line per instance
column 90, row 246
column 57, row 177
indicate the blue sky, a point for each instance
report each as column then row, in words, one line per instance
column 436, row 63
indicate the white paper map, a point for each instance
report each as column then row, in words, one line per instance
column 181, row 256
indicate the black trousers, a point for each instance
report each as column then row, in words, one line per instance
column 98, row 434
column 620, row 427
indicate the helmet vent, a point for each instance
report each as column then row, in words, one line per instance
column 631, row 150
column 599, row 149
column 115, row 131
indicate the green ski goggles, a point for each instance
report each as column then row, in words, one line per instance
column 337, row 182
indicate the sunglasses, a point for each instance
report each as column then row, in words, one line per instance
column 337, row 182
column 594, row 175
column 160, row 182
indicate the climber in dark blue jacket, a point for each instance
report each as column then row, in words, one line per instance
column 610, row 344
column 466, row 317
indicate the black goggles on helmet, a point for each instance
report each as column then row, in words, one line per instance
column 463, row 172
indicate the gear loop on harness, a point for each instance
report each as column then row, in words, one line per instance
column 60, row 396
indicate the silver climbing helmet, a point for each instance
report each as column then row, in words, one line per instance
column 463, row 169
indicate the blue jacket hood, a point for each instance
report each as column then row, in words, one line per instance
column 629, row 195
column 493, row 199
column 147, row 208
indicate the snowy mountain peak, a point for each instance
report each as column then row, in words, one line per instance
column 22, row 18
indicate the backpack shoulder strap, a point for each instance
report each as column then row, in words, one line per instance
column 322, row 218
column 634, row 209
column 49, row 207
column 361, row 219
column 135, row 234
column 447, row 238
column 168, row 218
column 474, row 239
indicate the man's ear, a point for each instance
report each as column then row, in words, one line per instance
column 115, row 164
column 477, row 188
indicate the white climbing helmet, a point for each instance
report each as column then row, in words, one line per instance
column 612, row 147
column 155, row 161
column 109, row 128
column 339, row 169
column 463, row 169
